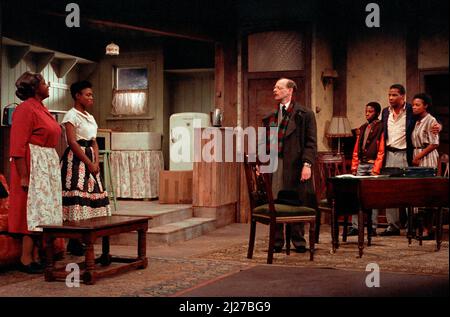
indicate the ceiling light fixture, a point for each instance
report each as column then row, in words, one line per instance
column 112, row 49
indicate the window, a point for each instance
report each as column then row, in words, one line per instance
column 130, row 91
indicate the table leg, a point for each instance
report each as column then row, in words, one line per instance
column 312, row 239
column 369, row 227
column 334, row 236
column 105, row 259
column 89, row 274
column 439, row 228
column 345, row 229
column 360, row 232
column 410, row 224
column 142, row 247
column 419, row 221
column 50, row 265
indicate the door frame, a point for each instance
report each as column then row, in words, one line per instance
column 431, row 71
column 306, row 28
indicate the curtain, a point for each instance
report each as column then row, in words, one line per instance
column 136, row 173
column 126, row 102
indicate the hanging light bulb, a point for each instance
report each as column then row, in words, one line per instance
column 112, row 49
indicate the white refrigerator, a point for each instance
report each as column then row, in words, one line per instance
column 181, row 148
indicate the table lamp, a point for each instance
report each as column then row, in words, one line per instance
column 339, row 128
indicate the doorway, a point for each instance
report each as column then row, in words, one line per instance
column 435, row 84
column 266, row 57
column 261, row 101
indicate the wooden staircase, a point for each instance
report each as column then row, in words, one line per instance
column 170, row 222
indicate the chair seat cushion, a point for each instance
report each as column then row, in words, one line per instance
column 324, row 203
column 285, row 210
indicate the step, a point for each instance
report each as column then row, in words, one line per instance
column 161, row 214
column 183, row 230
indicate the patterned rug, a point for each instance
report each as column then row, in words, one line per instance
column 390, row 253
column 163, row 277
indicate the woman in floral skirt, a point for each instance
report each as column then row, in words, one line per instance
column 84, row 195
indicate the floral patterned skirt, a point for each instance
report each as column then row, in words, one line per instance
column 83, row 194
column 44, row 190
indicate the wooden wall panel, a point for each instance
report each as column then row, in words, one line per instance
column 190, row 91
column 175, row 187
column 103, row 84
column 215, row 183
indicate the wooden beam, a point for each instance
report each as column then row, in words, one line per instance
column 412, row 60
column 15, row 54
column 219, row 75
column 154, row 31
column 63, row 66
column 230, row 82
column 226, row 80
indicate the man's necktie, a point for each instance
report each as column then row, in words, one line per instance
column 283, row 110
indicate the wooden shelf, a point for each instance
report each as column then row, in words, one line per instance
column 37, row 58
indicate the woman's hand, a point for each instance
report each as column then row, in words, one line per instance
column 93, row 168
column 416, row 161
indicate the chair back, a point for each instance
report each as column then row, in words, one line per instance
column 443, row 169
column 258, row 185
column 328, row 164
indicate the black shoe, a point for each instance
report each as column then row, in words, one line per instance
column 277, row 249
column 76, row 247
column 32, row 268
column 352, row 232
column 300, row 249
column 390, row 232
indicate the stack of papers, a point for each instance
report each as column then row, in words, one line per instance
column 354, row 176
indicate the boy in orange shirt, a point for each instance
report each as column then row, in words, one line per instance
column 368, row 155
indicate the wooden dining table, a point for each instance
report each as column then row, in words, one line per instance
column 359, row 195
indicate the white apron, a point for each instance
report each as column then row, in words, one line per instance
column 44, row 202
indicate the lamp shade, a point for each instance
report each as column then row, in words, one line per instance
column 112, row 49
column 339, row 127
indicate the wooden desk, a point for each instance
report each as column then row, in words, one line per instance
column 88, row 231
column 359, row 195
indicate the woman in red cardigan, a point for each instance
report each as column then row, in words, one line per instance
column 36, row 196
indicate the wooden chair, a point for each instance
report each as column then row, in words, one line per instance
column 328, row 164
column 264, row 210
column 443, row 170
